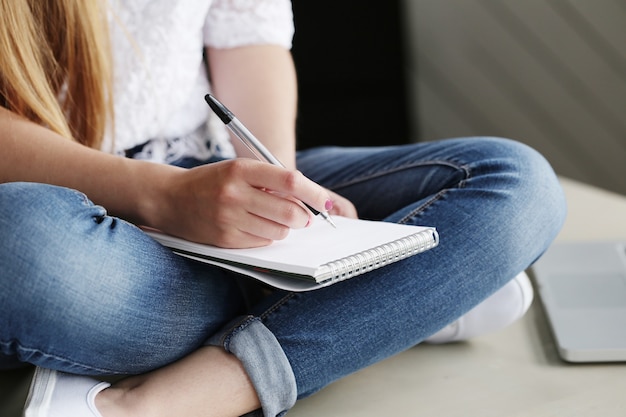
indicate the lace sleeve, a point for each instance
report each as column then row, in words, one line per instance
column 232, row 23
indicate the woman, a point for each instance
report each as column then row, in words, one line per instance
column 103, row 127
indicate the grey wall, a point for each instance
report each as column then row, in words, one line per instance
column 551, row 73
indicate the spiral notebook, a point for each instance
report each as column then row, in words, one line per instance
column 316, row 256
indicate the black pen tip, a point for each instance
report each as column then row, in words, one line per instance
column 219, row 109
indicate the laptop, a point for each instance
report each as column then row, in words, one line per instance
column 582, row 287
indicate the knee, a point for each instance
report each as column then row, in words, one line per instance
column 531, row 185
column 40, row 228
column 34, row 219
column 539, row 188
column 27, row 204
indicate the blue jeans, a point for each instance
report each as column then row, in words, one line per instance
column 87, row 293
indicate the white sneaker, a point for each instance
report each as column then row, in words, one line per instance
column 501, row 309
column 57, row 394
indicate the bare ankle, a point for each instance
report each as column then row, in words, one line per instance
column 119, row 401
column 108, row 403
column 208, row 383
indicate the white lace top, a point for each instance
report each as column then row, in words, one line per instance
column 160, row 77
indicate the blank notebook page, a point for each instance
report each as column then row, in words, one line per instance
column 305, row 250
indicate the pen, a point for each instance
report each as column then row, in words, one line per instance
column 252, row 143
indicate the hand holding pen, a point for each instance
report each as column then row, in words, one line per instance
column 251, row 142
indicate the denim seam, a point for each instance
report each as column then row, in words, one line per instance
column 439, row 195
column 423, row 207
column 378, row 174
column 277, row 305
column 233, row 329
column 20, row 350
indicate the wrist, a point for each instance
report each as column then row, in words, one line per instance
column 153, row 190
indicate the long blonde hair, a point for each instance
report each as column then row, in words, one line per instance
column 55, row 65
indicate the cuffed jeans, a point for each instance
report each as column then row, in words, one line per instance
column 87, row 293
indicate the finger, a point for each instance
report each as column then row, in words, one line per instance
column 290, row 182
column 249, row 231
column 343, row 207
column 262, row 229
column 264, row 215
column 243, row 240
column 280, row 208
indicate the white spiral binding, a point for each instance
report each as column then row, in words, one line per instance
column 379, row 256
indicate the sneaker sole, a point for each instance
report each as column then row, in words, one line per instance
column 40, row 393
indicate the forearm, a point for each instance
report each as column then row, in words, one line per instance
column 258, row 83
column 127, row 188
column 222, row 203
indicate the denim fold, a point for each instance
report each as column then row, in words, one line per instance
column 264, row 361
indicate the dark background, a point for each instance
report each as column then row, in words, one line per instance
column 350, row 65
